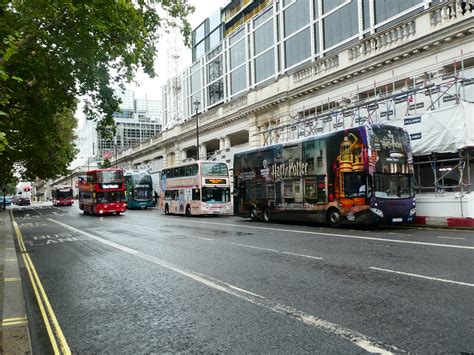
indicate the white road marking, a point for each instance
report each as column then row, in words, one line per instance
column 358, row 339
column 194, row 237
column 452, row 238
column 404, row 234
column 278, row 251
column 341, row 235
column 422, row 277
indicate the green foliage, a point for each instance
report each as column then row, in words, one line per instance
column 10, row 188
column 106, row 164
column 55, row 51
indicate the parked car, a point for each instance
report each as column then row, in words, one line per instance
column 8, row 200
column 21, row 200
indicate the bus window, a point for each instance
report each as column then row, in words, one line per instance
column 215, row 194
column 354, row 185
column 214, row 169
column 109, row 196
column 189, row 170
column 182, row 171
column 196, row 195
column 176, row 172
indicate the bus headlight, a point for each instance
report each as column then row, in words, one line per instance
column 377, row 211
column 412, row 211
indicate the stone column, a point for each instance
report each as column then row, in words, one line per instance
column 221, row 143
column 254, row 140
column 202, row 152
column 226, row 142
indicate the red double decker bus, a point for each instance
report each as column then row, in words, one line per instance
column 62, row 196
column 103, row 192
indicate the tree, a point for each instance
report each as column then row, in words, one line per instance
column 54, row 51
column 106, row 164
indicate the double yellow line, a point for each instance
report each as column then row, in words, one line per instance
column 56, row 336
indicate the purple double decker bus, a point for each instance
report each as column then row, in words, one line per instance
column 358, row 175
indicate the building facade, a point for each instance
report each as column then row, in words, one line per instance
column 302, row 67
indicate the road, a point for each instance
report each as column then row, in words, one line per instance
column 145, row 282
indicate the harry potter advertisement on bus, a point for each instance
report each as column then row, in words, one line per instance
column 321, row 169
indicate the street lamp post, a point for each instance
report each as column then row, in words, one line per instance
column 196, row 108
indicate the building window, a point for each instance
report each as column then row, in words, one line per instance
column 316, row 8
column 341, row 25
column 236, row 36
column 199, row 33
column 264, row 66
column 317, row 46
column 263, row 37
column 328, row 5
column 385, row 9
column 200, row 50
column 297, row 48
column 261, row 18
column 215, row 92
column 214, row 20
column 237, row 54
column 366, row 13
column 238, row 80
column 196, row 80
column 214, row 69
column 296, row 16
column 214, row 38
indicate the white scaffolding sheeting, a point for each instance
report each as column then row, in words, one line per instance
column 446, row 130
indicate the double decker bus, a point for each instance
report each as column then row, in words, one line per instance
column 103, row 192
column 358, row 175
column 196, row 188
column 62, row 196
column 139, row 189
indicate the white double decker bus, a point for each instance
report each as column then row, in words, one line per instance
column 196, row 188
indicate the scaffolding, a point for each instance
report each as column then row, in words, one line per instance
column 401, row 99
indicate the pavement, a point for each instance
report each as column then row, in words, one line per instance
column 14, row 335
column 453, row 222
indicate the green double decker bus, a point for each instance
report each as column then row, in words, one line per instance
column 138, row 189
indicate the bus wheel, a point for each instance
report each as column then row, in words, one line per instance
column 188, row 211
column 167, row 209
column 266, row 215
column 333, row 217
column 253, row 214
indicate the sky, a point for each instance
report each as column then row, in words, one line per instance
column 151, row 88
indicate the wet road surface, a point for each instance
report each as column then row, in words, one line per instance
column 145, row 282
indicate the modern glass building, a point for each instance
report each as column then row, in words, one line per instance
column 266, row 39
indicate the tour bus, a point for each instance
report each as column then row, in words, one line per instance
column 196, row 188
column 138, row 189
column 358, row 175
column 103, row 192
column 62, row 196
